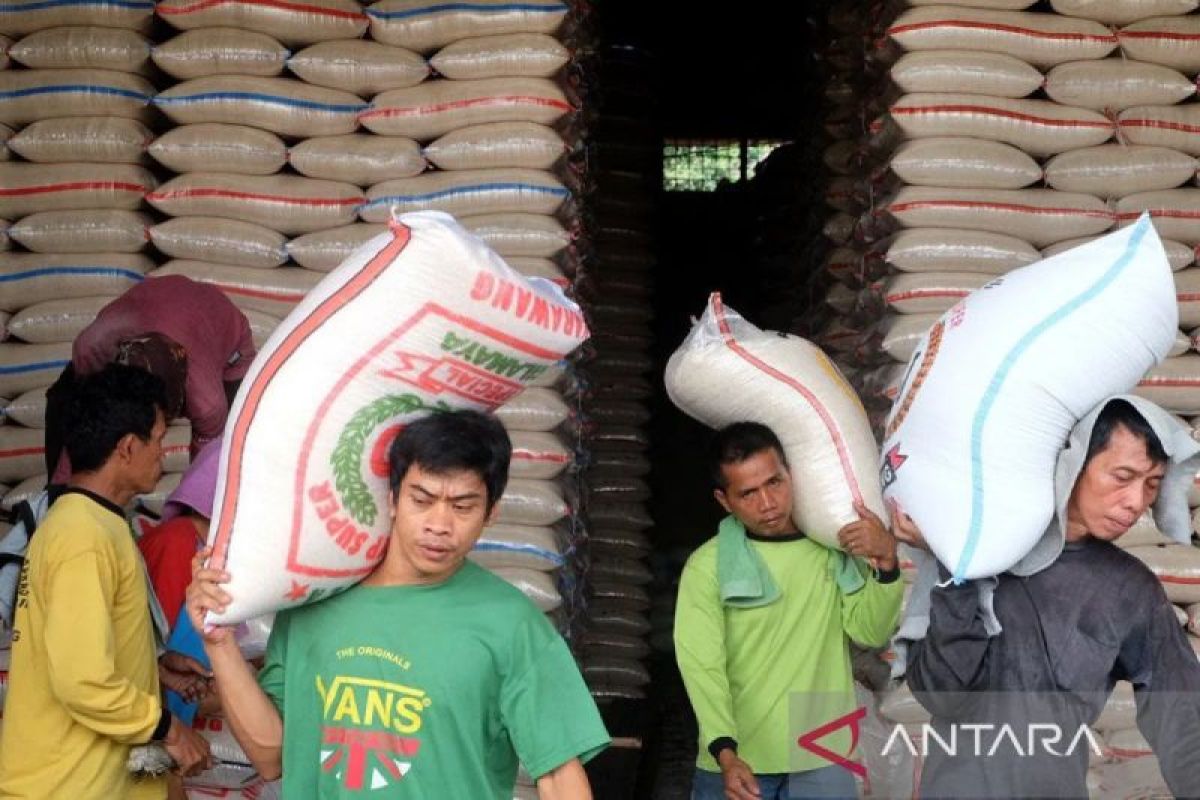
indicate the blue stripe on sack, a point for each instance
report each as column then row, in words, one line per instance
column 486, row 9
column 509, row 547
column 467, row 190
column 337, row 108
column 111, row 272
column 17, row 8
column 993, row 389
column 72, row 88
column 34, row 367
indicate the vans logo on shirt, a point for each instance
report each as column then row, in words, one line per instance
column 367, row 740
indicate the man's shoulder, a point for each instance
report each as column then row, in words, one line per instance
column 1104, row 563
column 71, row 524
column 704, row 557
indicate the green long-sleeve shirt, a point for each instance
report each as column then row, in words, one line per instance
column 766, row 675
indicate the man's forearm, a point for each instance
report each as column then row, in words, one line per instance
column 567, row 782
column 253, row 717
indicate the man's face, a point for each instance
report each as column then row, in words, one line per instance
column 145, row 457
column 438, row 518
column 1118, row 485
column 758, row 491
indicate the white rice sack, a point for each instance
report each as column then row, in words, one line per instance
column 531, row 502
column 1175, row 213
column 930, row 292
column 220, row 51
column 1179, row 255
column 1039, row 216
column 22, row 453
column 903, row 332
column 1174, row 385
column 1122, row 12
column 529, row 55
column 448, row 300
column 362, row 67
column 28, row 408
column 1116, row 83
column 948, row 250
column 962, row 162
column 1166, row 40
column 1042, row 40
column 497, row 144
column 538, row 586
column 1175, row 127
column 1193, row 615
column 216, row 147
column 85, row 47
column 435, row 108
column 225, row 241
column 22, row 492
column 482, row 191
column 518, row 546
column 314, row 21
column 359, row 158
column 534, row 409
column 1075, row 328
column 541, row 456
column 1120, row 712
column 425, row 25
column 1116, row 170
column 271, row 291
column 1127, row 744
column 899, row 706
column 262, row 325
column 112, row 140
column 325, row 250
column 30, row 278
column 1039, row 127
column 1187, row 295
column 1183, row 343
column 841, row 298
column 20, row 17
column 107, row 230
column 966, row 72
column 285, row 203
column 33, row 94
column 281, row 105
column 1177, row 567
column 28, row 366
column 788, row 384
column 154, row 500
column 29, row 188
column 533, row 267
column 56, row 320
column 520, row 235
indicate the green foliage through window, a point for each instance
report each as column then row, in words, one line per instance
column 703, row 165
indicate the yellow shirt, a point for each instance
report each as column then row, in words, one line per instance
column 83, row 685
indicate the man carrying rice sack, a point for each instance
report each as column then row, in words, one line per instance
column 432, row 673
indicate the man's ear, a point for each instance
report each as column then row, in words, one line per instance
column 719, row 494
column 124, row 448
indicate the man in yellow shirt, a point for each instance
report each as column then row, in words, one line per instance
column 83, row 684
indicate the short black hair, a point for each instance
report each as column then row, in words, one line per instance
column 450, row 441
column 1122, row 412
column 738, row 441
column 107, row 406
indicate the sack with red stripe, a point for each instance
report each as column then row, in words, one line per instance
column 1116, row 83
column 1122, row 12
column 325, row 250
column 994, row 74
column 1179, row 255
column 514, row 55
column 1175, row 385
column 292, row 23
column 22, row 453
column 425, row 25
column 997, row 384
column 498, row 144
column 281, row 105
column 517, row 236
column 217, row 147
column 420, row 318
column 1176, row 213
column 1177, row 567
column 964, row 162
column 220, row 51
column 362, row 67
column 729, row 371
column 272, row 291
column 1167, row 40
column 28, row 188
column 359, row 158
column 1176, row 127
column 1116, row 170
column 104, row 230
column 225, row 241
column 928, row 292
column 946, row 250
column 1187, row 295
column 464, row 193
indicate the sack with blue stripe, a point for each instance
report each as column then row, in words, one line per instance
column 994, row 388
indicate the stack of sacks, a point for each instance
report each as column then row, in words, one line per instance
column 73, row 117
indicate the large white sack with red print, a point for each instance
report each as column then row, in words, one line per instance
column 994, row 388
column 729, row 371
column 420, row 318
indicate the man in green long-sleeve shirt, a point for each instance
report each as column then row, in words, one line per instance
column 762, row 625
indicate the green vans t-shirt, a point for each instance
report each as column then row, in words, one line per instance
column 425, row 692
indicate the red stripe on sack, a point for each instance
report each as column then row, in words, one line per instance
column 1166, row 213
column 1122, row 752
column 23, row 451
column 74, row 186
column 529, row 455
column 1164, row 578
column 1170, row 383
column 479, row 102
column 177, row 448
column 1170, row 36
column 304, row 7
column 1160, row 124
column 830, row 426
column 916, row 294
column 298, row 201
column 282, row 296
column 1187, row 297
column 1018, row 207
column 994, row 26
column 1000, row 112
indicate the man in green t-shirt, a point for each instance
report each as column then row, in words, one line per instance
column 761, row 628
column 429, row 679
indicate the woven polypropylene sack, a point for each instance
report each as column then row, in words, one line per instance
column 1116, row 83
column 28, row 366
column 281, row 105
column 86, row 47
column 531, row 502
column 1177, row 568
column 314, row 21
column 26, row 490
column 21, row 17
column 521, row 546
column 531, row 55
column 35, row 277
column 1039, row 127
column 1175, row 127
column 1176, row 213
column 362, row 67
column 534, row 267
column 539, row 587
column 1116, row 170
column 482, row 191
column 443, row 295
column 109, row 140
column 325, row 250
column 520, row 235
column 225, row 241
column 285, row 203
column 22, row 453
column 271, row 291
column 425, row 25
column 1179, row 255
column 788, row 384
column 947, row 250
column 28, row 408
column 968, row 163
column 534, row 409
column 538, row 455
column 33, row 94
column 966, row 72
column 220, row 51
column 1040, row 39
column 29, row 188
column 995, row 387
column 107, row 230
column 262, row 325
column 358, row 158
column 1039, row 216
column 497, row 144
column 435, row 108
column 215, row 147
column 1170, row 41
column 1187, row 295
column 1123, row 12
column 926, row 292
column 56, row 320
column 903, row 332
